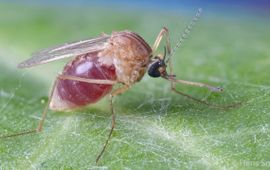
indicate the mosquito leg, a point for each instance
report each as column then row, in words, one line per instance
column 113, row 94
column 173, row 82
column 198, row 100
column 40, row 124
column 67, row 77
column 215, row 89
column 86, row 80
column 164, row 32
column 191, row 83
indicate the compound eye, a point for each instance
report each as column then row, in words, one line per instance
column 153, row 69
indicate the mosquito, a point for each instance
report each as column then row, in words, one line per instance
column 100, row 63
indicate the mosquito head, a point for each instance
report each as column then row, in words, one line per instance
column 157, row 67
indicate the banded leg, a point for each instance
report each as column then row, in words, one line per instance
column 44, row 113
column 113, row 94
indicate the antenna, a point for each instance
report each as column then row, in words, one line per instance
column 185, row 33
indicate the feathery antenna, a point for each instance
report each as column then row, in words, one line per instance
column 185, row 33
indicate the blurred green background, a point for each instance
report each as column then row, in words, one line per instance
column 156, row 129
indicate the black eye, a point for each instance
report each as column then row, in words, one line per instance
column 153, row 69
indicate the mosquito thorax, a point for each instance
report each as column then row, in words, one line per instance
column 157, row 68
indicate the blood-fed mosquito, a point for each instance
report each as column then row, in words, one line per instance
column 98, row 64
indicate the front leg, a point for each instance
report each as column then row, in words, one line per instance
column 163, row 33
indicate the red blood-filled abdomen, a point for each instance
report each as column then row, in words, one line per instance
column 70, row 94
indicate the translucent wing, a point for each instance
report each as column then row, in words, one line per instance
column 66, row 50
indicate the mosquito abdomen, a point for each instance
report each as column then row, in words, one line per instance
column 69, row 94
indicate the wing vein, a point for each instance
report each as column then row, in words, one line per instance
column 66, row 50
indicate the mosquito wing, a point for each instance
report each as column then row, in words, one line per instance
column 66, row 51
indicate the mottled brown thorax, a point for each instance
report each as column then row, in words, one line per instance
column 130, row 55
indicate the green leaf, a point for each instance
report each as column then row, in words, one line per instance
column 156, row 128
